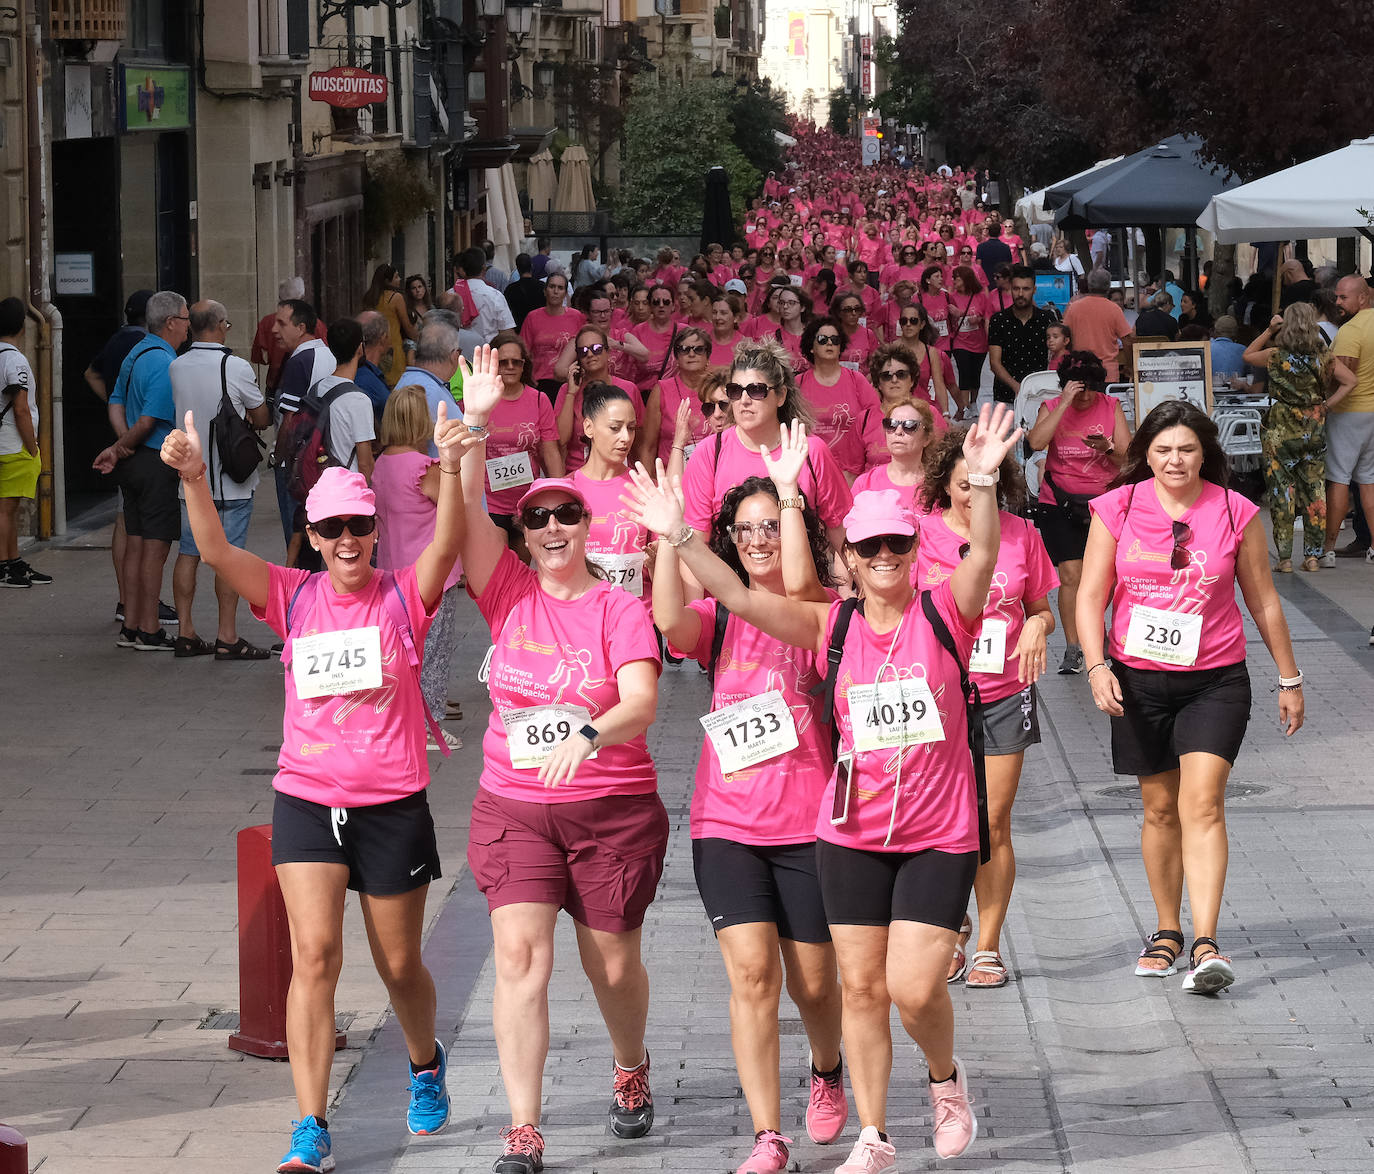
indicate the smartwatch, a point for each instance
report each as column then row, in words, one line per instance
column 591, row 733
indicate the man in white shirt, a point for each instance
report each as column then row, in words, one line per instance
column 20, row 463
column 493, row 311
column 201, row 377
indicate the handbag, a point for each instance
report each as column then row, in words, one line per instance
column 1074, row 506
column 238, row 448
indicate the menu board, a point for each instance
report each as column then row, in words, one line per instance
column 1172, row 370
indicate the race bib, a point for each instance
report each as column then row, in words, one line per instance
column 1168, row 637
column 849, row 365
column 688, row 450
column 532, row 734
column 941, row 327
column 509, row 472
column 751, row 731
column 895, row 713
column 624, row 570
column 333, row 663
column 990, row 648
column 795, row 278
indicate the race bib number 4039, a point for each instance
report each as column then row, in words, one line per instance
column 895, row 713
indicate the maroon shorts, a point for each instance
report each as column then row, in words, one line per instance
column 600, row 859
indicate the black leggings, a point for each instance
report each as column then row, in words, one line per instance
column 969, row 365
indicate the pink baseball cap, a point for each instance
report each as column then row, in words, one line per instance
column 552, row 485
column 877, row 512
column 338, row 493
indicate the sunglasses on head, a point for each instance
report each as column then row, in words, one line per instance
column 359, row 525
column 536, row 517
column 710, row 407
column 907, row 426
column 827, row 340
column 735, row 391
column 593, row 349
column 898, row 544
column 1181, row 556
column 693, row 348
column 742, row 532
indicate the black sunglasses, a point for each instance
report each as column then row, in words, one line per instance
column 359, row 525
column 907, row 426
column 909, row 320
column 1181, row 556
column 737, row 391
column 660, row 302
column 594, row 349
column 898, row 544
column 536, row 517
column 693, row 348
column 827, row 340
column 889, row 376
column 709, row 407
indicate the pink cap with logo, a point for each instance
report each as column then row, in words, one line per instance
column 552, row 485
column 877, row 512
column 339, row 493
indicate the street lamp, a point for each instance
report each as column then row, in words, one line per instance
column 519, row 18
column 491, row 9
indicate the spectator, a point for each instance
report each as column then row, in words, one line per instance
column 418, row 300
column 20, row 463
column 436, row 359
column 493, row 312
column 1098, row 324
column 308, row 361
column 540, row 260
column 1194, row 311
column 588, row 270
column 1227, row 354
column 1159, row 321
column 384, row 296
column 1016, row 337
column 376, row 342
column 994, row 251
column 267, row 351
column 498, row 279
column 525, row 293
column 1350, row 424
column 200, row 378
column 1298, row 285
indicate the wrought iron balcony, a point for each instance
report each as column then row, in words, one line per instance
column 88, row 20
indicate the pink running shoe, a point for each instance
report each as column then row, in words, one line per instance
column 770, row 1154
column 827, row 1112
column 955, row 1124
column 870, row 1154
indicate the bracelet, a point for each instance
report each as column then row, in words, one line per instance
column 449, row 472
column 1101, row 664
column 1290, row 683
column 475, row 429
column 792, row 503
column 686, row 534
column 678, row 448
column 983, row 479
column 201, row 477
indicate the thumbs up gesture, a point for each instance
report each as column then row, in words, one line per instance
column 182, row 449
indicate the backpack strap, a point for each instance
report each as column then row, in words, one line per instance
column 833, row 655
column 717, row 642
column 973, row 707
column 314, row 583
column 394, row 603
column 223, row 400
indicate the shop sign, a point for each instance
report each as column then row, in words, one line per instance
column 348, row 86
column 156, row 99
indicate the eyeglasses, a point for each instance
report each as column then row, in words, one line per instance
column 536, row 517
column 851, row 309
column 788, row 302
column 827, row 340
column 693, row 348
column 510, row 362
column 907, row 426
column 898, row 544
column 890, row 376
column 592, row 349
column 1181, row 555
column 742, row 532
column 360, row 526
column 711, row 406
column 909, row 319
column 660, row 301
column 737, row 391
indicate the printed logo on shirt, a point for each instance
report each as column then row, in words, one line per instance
column 937, row 574
column 309, row 748
column 1135, row 554
column 576, row 668
column 517, row 639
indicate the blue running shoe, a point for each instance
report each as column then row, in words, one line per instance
column 428, row 1112
column 309, row 1152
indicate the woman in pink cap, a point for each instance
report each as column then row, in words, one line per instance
column 350, row 809
column 567, row 815
column 898, row 833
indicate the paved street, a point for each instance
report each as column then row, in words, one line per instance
column 126, row 777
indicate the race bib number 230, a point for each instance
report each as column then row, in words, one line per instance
column 1168, row 637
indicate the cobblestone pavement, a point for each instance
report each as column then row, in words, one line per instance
column 127, row 776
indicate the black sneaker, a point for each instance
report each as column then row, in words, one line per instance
column 1371, row 635
column 36, row 577
column 154, row 642
column 127, row 638
column 632, row 1107
column 167, row 616
column 13, row 575
column 524, row 1152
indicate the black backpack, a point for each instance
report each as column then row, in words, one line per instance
column 238, row 448
column 307, row 448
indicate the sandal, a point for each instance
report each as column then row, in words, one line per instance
column 191, row 646
column 240, row 651
column 987, row 962
column 958, row 965
column 1310, row 563
column 1213, row 974
column 453, row 711
column 1153, row 949
column 1285, row 566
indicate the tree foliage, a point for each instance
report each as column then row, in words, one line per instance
column 841, row 112
column 674, row 134
column 909, row 97
column 757, row 112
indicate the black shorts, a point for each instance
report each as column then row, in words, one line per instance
column 877, row 888
column 151, row 507
column 389, row 848
column 1171, row 712
column 1065, row 537
column 969, row 365
column 741, row 884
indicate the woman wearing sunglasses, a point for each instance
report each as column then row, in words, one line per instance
column 908, row 430
column 590, row 364
column 522, row 437
column 1084, row 432
column 573, row 673
column 970, row 310
column 1009, row 657
column 1167, row 549
column 691, row 365
column 623, row 351
column 350, row 810
column 843, row 402
column 764, row 400
column 545, row 332
column 753, row 818
column 897, row 830
column 657, row 335
column 861, row 341
column 935, row 377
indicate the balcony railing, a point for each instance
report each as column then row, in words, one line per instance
column 88, row 20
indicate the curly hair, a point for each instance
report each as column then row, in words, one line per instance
column 723, row 546
column 893, row 350
column 772, row 360
column 945, row 453
column 1175, row 413
column 1085, row 367
column 808, row 338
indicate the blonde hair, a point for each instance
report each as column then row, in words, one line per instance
column 772, row 360
column 1299, row 333
column 406, row 422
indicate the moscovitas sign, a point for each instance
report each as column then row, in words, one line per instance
column 346, row 85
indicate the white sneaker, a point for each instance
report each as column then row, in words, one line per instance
column 451, row 740
column 1328, row 560
column 870, row 1154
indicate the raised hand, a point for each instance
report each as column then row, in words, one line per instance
column 481, row 385
column 452, row 439
column 182, row 449
column 786, row 467
column 682, row 426
column 990, row 438
column 657, row 506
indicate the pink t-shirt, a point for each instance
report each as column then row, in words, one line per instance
column 847, row 415
column 612, row 530
column 405, row 516
column 968, row 321
column 353, row 749
column 519, row 425
column 1024, row 572
column 549, row 651
column 760, row 326
column 775, row 801
column 546, row 335
column 1205, row 587
column 1070, row 462
column 714, row 469
column 862, row 343
column 723, row 353
column 877, row 479
column 939, row 310
column 657, row 343
column 577, row 442
column 791, row 343
column 937, row 806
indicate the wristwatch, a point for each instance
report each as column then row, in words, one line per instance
column 792, row 503
column 678, row 537
column 591, row 733
column 982, row 478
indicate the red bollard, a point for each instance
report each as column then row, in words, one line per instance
column 14, row 1151
column 264, row 952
